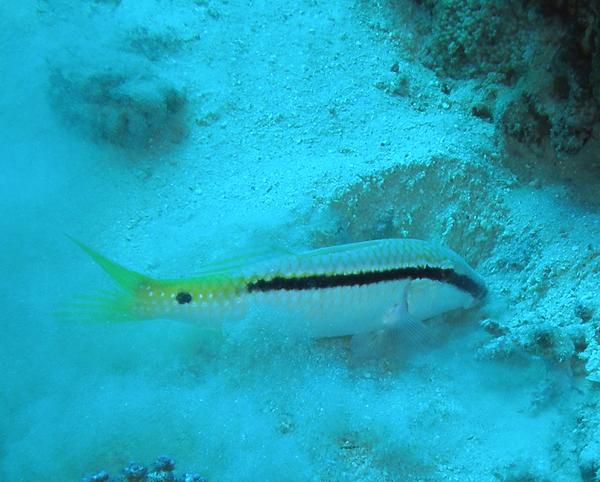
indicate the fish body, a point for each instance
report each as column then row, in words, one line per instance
column 333, row 291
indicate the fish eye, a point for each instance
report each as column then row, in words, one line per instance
column 183, row 297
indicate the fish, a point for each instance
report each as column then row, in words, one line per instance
column 341, row 290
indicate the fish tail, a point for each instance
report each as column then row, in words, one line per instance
column 127, row 279
column 120, row 304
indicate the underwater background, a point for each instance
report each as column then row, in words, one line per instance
column 171, row 133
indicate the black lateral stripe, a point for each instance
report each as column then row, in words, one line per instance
column 321, row 281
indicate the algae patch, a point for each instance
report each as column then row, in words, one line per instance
column 115, row 107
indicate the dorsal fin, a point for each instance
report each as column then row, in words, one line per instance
column 243, row 259
column 341, row 248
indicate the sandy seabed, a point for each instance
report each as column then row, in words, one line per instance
column 168, row 134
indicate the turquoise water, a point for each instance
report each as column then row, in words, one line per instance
column 171, row 134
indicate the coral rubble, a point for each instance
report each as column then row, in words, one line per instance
column 163, row 471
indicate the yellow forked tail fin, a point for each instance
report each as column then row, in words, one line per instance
column 107, row 305
column 126, row 279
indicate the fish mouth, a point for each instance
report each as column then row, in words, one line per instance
column 482, row 294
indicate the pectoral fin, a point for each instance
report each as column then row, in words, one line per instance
column 400, row 333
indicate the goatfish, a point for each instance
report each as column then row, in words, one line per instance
column 340, row 290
